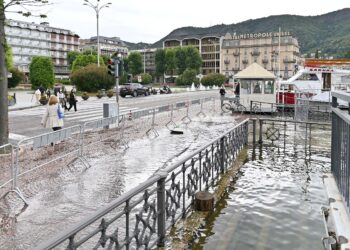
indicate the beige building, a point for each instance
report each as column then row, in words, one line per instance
column 209, row 47
column 240, row 51
column 108, row 45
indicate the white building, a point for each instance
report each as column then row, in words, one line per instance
column 29, row 39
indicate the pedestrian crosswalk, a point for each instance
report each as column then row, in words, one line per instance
column 87, row 111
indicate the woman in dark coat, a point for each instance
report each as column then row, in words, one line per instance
column 72, row 101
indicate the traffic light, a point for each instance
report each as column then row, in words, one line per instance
column 111, row 66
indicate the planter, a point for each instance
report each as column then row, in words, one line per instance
column 110, row 93
column 43, row 101
column 85, row 97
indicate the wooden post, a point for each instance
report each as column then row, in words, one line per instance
column 204, row 201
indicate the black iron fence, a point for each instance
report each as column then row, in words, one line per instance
column 341, row 145
column 141, row 217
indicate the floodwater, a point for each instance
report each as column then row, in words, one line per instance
column 275, row 200
column 63, row 198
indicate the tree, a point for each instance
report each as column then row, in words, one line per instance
column 213, row 79
column 180, row 55
column 170, row 61
column 26, row 5
column 193, row 59
column 8, row 57
column 84, row 60
column 187, row 78
column 71, row 56
column 135, row 63
column 146, row 78
column 160, row 62
column 316, row 54
column 41, row 72
column 17, row 77
column 347, row 55
column 92, row 78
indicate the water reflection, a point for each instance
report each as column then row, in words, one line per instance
column 275, row 200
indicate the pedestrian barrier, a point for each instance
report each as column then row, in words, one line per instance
column 58, row 147
column 8, row 173
column 68, row 144
column 141, row 217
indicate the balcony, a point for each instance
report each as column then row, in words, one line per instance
column 245, row 61
column 227, row 61
column 289, row 60
column 265, row 61
column 236, row 53
column 255, row 53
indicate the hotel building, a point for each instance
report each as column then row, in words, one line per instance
column 29, row 39
column 276, row 53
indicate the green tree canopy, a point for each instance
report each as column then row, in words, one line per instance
column 71, row 56
column 92, row 78
column 170, row 61
column 160, row 62
column 187, row 78
column 180, row 55
column 347, row 55
column 17, row 77
column 8, row 57
column 193, row 59
column 213, row 79
column 41, row 72
column 146, row 78
column 135, row 63
column 84, row 60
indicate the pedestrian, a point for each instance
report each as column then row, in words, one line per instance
column 62, row 99
column 237, row 89
column 222, row 92
column 72, row 101
column 42, row 90
column 53, row 117
column 48, row 93
column 37, row 94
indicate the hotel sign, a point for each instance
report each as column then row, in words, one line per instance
column 260, row 35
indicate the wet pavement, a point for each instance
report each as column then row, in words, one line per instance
column 64, row 197
column 275, row 200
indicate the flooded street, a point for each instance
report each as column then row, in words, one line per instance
column 65, row 197
column 275, row 200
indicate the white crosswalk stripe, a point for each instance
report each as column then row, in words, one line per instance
column 87, row 111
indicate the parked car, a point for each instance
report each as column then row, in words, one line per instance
column 134, row 89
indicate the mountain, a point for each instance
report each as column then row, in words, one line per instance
column 137, row 46
column 329, row 33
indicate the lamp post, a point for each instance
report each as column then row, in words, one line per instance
column 144, row 60
column 97, row 8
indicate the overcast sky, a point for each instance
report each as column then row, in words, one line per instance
column 151, row 20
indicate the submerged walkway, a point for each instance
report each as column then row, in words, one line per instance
column 275, row 200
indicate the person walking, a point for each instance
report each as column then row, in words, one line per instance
column 72, row 101
column 222, row 92
column 37, row 94
column 62, row 99
column 53, row 117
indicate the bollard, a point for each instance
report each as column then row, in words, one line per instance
column 161, row 222
column 222, row 158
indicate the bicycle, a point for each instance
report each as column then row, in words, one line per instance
column 233, row 105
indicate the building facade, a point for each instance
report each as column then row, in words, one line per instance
column 276, row 53
column 108, row 45
column 29, row 39
column 148, row 59
column 209, row 47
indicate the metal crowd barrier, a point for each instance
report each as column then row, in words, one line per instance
column 69, row 144
column 141, row 217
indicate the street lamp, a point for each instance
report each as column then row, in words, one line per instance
column 144, row 60
column 97, row 8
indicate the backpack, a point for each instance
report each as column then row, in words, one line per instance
column 60, row 114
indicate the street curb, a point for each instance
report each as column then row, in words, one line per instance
column 22, row 108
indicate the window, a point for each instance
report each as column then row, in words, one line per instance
column 245, row 87
column 269, row 86
column 257, row 87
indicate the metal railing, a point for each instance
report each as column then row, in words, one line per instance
column 340, row 158
column 141, row 217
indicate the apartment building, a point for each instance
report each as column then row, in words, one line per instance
column 29, row 39
column 148, row 59
column 209, row 47
column 277, row 53
column 108, row 45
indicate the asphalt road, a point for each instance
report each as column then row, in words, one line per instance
column 26, row 123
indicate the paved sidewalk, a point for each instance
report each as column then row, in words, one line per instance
column 25, row 99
